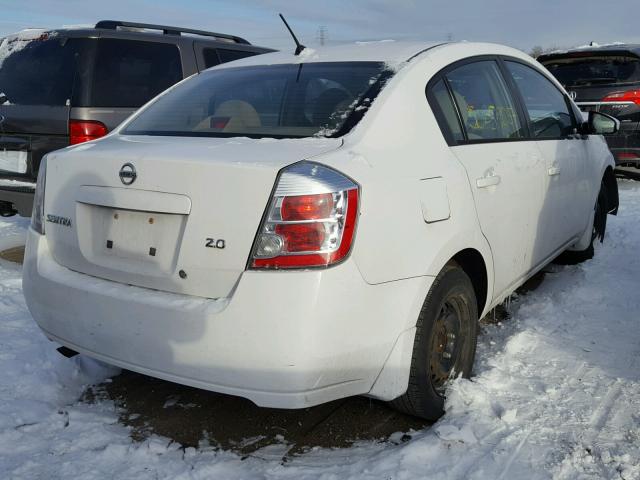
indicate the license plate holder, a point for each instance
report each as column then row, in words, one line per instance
column 132, row 241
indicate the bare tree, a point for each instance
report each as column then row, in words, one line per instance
column 536, row 51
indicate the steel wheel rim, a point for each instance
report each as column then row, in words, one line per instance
column 446, row 342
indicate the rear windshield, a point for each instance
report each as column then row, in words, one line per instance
column 595, row 69
column 37, row 69
column 302, row 100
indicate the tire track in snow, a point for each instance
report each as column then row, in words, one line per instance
column 537, row 419
column 602, row 412
column 515, row 454
column 534, row 425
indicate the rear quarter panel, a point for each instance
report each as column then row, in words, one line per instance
column 393, row 154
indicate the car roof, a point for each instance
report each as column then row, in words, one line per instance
column 393, row 53
column 592, row 48
column 118, row 29
column 389, row 51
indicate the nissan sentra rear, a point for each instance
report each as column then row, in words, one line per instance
column 296, row 229
column 206, row 242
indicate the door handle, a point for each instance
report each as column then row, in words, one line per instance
column 553, row 171
column 487, row 181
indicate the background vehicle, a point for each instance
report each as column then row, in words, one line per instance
column 297, row 229
column 62, row 87
column 605, row 79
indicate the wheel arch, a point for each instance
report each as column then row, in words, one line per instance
column 391, row 384
column 474, row 265
column 611, row 185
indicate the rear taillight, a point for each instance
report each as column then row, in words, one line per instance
column 310, row 221
column 626, row 96
column 81, row 131
column 37, row 214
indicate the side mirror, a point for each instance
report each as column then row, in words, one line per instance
column 601, row 124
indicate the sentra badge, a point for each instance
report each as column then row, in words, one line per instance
column 59, row 220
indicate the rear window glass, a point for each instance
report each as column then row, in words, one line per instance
column 38, row 69
column 231, row 55
column 213, row 57
column 301, row 100
column 574, row 71
column 129, row 73
column 210, row 57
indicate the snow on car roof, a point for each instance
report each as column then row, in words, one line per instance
column 388, row 51
column 595, row 47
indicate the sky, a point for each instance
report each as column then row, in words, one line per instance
column 518, row 23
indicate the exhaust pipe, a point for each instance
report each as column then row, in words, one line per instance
column 67, row 352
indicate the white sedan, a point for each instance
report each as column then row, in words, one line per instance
column 295, row 229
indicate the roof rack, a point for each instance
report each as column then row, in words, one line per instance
column 168, row 30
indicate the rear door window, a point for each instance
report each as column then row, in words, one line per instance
column 545, row 104
column 447, row 115
column 488, row 112
column 38, row 69
column 129, row 73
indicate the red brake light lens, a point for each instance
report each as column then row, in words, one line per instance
column 626, row 96
column 310, row 230
column 81, row 131
column 307, row 207
column 301, row 237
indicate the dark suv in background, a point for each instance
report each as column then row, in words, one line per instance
column 62, row 87
column 605, row 79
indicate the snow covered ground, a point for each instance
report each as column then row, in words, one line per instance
column 556, row 394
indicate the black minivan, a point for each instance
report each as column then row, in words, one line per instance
column 605, row 79
column 62, row 87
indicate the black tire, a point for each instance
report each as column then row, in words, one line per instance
column 574, row 257
column 450, row 308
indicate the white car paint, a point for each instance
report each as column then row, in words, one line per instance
column 297, row 338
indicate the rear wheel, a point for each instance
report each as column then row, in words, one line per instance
column 572, row 257
column 444, row 345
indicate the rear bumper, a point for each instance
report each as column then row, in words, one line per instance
column 20, row 197
column 283, row 339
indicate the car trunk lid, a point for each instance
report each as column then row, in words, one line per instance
column 184, row 222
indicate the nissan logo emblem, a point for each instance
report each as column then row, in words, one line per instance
column 127, row 174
